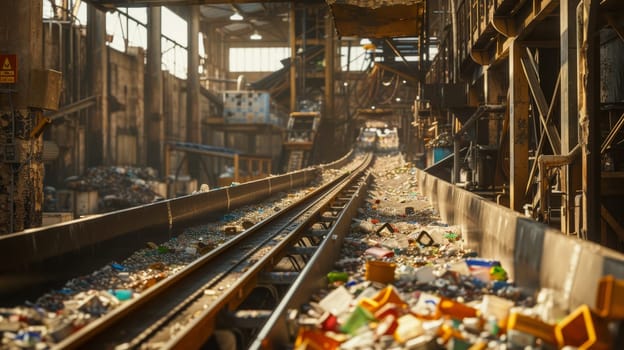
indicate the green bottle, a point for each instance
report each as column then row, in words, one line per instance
column 335, row 276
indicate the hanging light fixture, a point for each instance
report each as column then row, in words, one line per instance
column 236, row 16
column 255, row 36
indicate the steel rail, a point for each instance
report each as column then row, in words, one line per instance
column 279, row 330
column 231, row 269
column 37, row 260
column 245, row 274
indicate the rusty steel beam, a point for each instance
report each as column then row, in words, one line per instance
column 292, row 34
column 330, row 68
column 619, row 30
column 609, row 139
column 97, row 63
column 518, row 127
column 542, row 139
column 530, row 70
column 568, row 108
column 589, row 100
column 142, row 3
column 153, row 105
column 612, row 222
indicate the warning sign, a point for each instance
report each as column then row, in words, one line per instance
column 8, row 69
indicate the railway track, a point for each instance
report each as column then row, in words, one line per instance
column 181, row 311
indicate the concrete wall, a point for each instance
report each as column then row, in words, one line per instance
column 65, row 50
column 535, row 255
column 126, row 107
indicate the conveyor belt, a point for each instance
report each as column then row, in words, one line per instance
column 180, row 312
column 36, row 260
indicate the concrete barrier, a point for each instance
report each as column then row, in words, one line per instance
column 534, row 254
column 35, row 260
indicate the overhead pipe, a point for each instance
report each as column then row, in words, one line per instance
column 241, row 81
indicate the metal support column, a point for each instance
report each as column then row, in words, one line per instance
column 97, row 122
column 153, row 85
column 293, row 56
column 518, row 127
column 589, row 101
column 569, row 108
column 21, row 168
column 330, row 62
column 193, row 123
column 328, row 132
column 193, row 127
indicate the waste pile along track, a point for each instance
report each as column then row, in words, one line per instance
column 433, row 293
column 36, row 260
column 290, row 254
column 180, row 311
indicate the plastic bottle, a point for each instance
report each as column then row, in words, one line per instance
column 335, row 276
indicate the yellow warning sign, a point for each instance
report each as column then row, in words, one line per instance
column 8, row 70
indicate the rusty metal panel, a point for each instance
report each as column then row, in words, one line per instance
column 45, row 89
column 43, row 258
column 386, row 21
column 252, row 192
column 279, row 183
column 201, row 206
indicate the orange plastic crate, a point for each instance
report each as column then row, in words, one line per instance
column 610, row 298
column 456, row 309
column 583, row 329
column 386, row 295
column 380, row 271
column 532, row 326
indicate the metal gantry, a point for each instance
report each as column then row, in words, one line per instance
column 555, row 66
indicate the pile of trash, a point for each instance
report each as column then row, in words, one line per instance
column 474, row 309
column 405, row 280
column 55, row 315
column 118, row 187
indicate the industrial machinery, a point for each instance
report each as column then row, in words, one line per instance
column 299, row 142
column 476, row 172
column 367, row 139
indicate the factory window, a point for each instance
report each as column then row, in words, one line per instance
column 356, row 61
column 126, row 28
column 257, row 59
column 81, row 12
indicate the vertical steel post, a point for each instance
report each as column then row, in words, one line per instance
column 97, row 121
column 518, row 127
column 589, row 120
column 569, row 108
column 193, row 123
column 293, row 56
column 21, row 168
column 153, row 86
